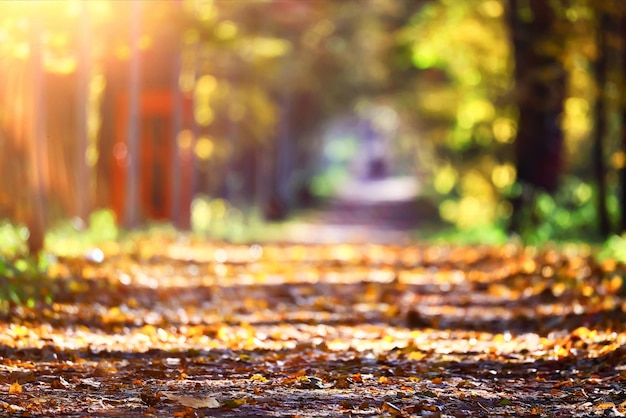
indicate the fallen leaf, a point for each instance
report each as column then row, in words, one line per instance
column 504, row 402
column 60, row 383
column 190, row 401
column 91, row 383
column 234, row 403
column 259, row 378
column 22, row 377
column 391, row 408
column 15, row 388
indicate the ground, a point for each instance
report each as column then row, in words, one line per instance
column 176, row 326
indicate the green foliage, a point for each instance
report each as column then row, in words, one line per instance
column 463, row 53
column 615, row 248
column 22, row 281
column 487, row 235
column 19, row 273
column 72, row 238
column 13, row 240
column 569, row 216
column 218, row 219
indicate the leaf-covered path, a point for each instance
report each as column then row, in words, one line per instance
column 175, row 327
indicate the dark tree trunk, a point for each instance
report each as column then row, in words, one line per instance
column 600, row 116
column 540, row 90
column 622, row 171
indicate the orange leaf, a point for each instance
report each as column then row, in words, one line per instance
column 15, row 388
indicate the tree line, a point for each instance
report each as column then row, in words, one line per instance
column 506, row 108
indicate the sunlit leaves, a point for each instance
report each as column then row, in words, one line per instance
column 503, row 175
column 204, row 89
column 504, row 130
column 283, row 322
column 445, row 179
column 226, row 30
column 468, row 44
column 204, row 148
column 205, row 10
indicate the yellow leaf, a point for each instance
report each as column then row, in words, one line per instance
column 258, row 378
column 234, row 403
column 416, row 355
column 15, row 388
column 605, row 405
column 20, row 331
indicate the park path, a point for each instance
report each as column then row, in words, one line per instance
column 177, row 326
column 369, row 211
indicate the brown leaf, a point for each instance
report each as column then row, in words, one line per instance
column 22, row 377
column 60, row 383
column 190, row 401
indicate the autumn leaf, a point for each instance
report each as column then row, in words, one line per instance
column 259, row 378
column 192, row 402
column 22, row 377
column 312, row 382
column 416, row 355
column 391, row 408
column 504, row 402
column 15, row 388
column 60, row 383
column 234, row 403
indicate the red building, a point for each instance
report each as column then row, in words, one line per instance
column 162, row 169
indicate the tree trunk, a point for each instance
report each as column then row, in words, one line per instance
column 36, row 142
column 540, row 90
column 83, row 184
column 131, row 212
column 622, row 171
column 600, row 116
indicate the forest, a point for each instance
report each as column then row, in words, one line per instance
column 491, row 106
column 312, row 208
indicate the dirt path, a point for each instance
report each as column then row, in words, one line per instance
column 385, row 211
column 181, row 328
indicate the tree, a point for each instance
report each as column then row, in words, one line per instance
column 540, row 82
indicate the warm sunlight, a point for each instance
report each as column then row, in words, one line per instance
column 245, row 208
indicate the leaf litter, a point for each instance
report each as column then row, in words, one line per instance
column 178, row 327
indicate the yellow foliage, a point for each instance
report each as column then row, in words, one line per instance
column 503, row 175
column 445, row 179
column 264, row 47
column 203, row 114
column 226, row 30
column 504, row 130
column 448, row 210
column 205, row 86
column 471, row 112
column 492, row 8
column 475, row 184
column 204, row 148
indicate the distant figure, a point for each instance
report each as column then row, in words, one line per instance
column 374, row 153
column 377, row 169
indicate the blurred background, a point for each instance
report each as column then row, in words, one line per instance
column 481, row 115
